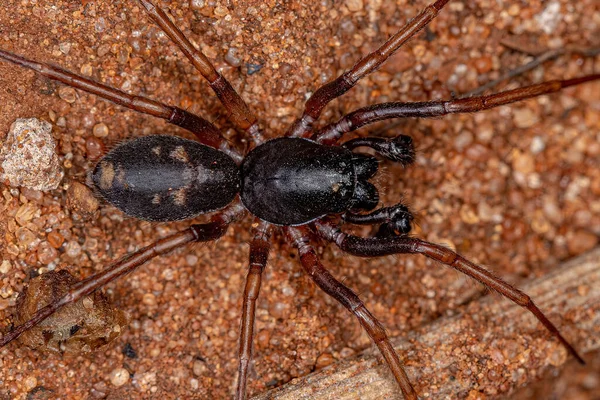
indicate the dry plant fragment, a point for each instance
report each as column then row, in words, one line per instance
column 79, row 327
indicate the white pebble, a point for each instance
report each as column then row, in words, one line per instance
column 29, row 156
column 119, row 377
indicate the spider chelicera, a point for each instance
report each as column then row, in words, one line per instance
column 302, row 185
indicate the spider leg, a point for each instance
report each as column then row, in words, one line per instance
column 379, row 112
column 259, row 253
column 334, row 89
column 373, row 247
column 395, row 220
column 536, row 62
column 239, row 113
column 206, row 132
column 399, row 149
column 298, row 237
column 195, row 233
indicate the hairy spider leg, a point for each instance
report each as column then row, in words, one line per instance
column 259, row 254
column 398, row 149
column 205, row 132
column 299, row 238
column 392, row 220
column 302, row 127
column 332, row 133
column 195, row 233
column 239, row 113
column 374, row 247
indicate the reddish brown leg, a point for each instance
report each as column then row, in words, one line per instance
column 374, row 247
column 298, row 237
column 206, row 132
column 378, row 112
column 539, row 60
column 196, row 233
column 259, row 253
column 239, row 112
column 302, row 127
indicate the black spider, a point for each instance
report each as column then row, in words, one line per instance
column 301, row 184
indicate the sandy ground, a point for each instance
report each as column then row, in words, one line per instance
column 515, row 188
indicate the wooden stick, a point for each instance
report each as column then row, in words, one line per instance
column 491, row 348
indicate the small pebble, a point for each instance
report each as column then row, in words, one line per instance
column 68, row 94
column 467, row 215
column 81, row 200
column 73, row 249
column 221, row 11
column 25, row 213
column 354, row 5
column 197, row 4
column 65, row 47
column 483, row 64
column 31, row 382
column 550, row 17
column 28, row 156
column 149, row 299
column 5, row 267
column 100, row 130
column 231, row 57
column 538, row 145
column 581, row 241
column 324, row 360
column 119, row 377
column 524, row 117
column 199, row 367
column 100, row 25
column 523, row 163
column 558, row 357
column 514, row 10
column 463, row 140
column 55, row 239
column 86, row 69
column 25, row 237
column 46, row 253
column 88, row 303
column 94, row 148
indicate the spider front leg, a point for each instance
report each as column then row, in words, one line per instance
column 375, row 247
column 332, row 133
column 259, row 253
column 334, row 89
column 399, row 149
column 195, row 233
column 298, row 237
column 395, row 220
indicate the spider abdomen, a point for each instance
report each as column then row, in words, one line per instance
column 166, row 178
column 291, row 181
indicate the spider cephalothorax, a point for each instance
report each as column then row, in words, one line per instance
column 293, row 184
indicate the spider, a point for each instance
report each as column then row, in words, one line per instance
column 394, row 222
